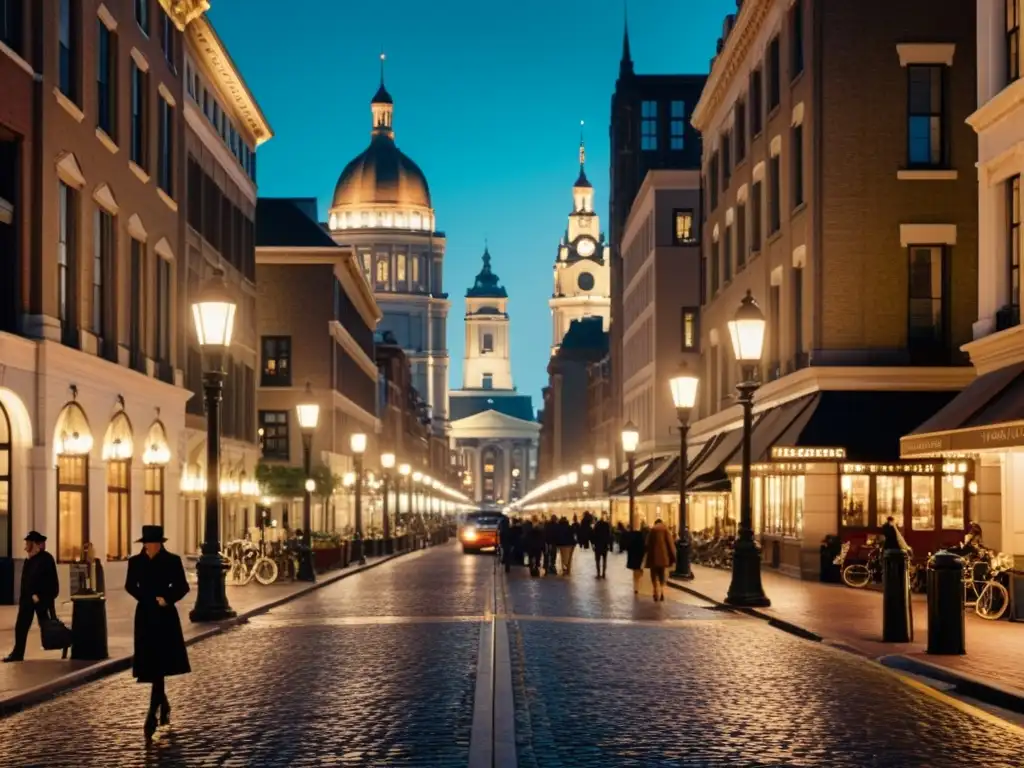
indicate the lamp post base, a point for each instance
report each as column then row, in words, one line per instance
column 212, row 599
column 307, row 572
column 745, row 589
column 357, row 552
column 682, row 571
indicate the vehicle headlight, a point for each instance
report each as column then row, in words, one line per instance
column 469, row 534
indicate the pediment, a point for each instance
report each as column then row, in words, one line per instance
column 491, row 420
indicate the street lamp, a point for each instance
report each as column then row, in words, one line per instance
column 405, row 471
column 587, row 470
column 630, row 440
column 387, row 463
column 214, row 314
column 603, row 464
column 684, row 396
column 309, row 416
column 747, row 332
column 357, row 442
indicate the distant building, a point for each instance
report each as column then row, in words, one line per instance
column 493, row 429
column 381, row 207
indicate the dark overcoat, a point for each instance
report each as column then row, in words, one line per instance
column 159, row 642
column 636, row 548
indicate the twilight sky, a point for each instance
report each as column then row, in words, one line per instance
column 488, row 102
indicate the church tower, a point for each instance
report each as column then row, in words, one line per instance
column 487, row 364
column 582, row 286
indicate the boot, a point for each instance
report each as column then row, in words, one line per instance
column 149, row 728
column 8, row 659
column 165, row 712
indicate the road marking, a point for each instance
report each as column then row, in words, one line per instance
column 481, row 739
column 956, row 703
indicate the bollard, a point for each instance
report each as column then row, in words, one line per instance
column 89, row 627
column 683, row 570
column 897, row 623
column 946, row 634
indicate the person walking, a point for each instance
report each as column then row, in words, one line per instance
column 586, row 531
column 601, row 538
column 566, row 545
column 39, row 589
column 156, row 579
column 551, row 546
column 634, row 544
column 535, row 549
column 660, row 556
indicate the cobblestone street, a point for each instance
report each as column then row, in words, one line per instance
column 380, row 669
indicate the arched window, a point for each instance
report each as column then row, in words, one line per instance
column 118, row 448
column 382, row 270
column 73, row 439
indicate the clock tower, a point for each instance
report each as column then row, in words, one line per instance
column 582, row 286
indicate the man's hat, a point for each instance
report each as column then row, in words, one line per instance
column 35, row 537
column 152, row 534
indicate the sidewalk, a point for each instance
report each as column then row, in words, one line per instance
column 44, row 673
column 852, row 619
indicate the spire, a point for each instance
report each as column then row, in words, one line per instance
column 581, row 180
column 383, row 108
column 487, row 284
column 382, row 96
column 382, row 57
column 626, row 63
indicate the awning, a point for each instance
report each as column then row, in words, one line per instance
column 988, row 413
column 712, row 466
column 657, row 468
column 620, row 485
column 667, row 479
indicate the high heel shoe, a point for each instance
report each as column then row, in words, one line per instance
column 150, row 726
column 165, row 713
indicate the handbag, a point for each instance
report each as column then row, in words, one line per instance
column 55, row 633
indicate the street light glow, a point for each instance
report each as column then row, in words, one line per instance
column 387, row 460
column 308, row 412
column 358, row 443
column 214, row 313
column 404, row 470
column 603, row 464
column 747, row 331
column 630, row 437
column 684, row 389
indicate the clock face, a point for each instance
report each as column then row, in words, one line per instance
column 585, row 247
column 585, row 281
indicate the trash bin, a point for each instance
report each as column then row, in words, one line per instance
column 830, row 548
column 946, row 632
column 89, row 627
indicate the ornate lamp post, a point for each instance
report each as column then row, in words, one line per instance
column 417, row 505
column 684, row 395
column 603, row 464
column 357, row 442
column 309, row 416
column 747, row 332
column 214, row 314
column 630, row 440
column 587, row 470
column 387, row 463
column 405, row 471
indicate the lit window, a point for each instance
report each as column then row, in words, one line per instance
column 855, row 500
column 690, row 331
column 274, row 428
column 922, row 503
column 400, row 268
column 889, row 499
column 683, row 221
column 953, row 502
column 153, row 499
column 382, row 270
column 277, row 361
column 119, row 518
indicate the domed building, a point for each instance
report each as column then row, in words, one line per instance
column 381, row 208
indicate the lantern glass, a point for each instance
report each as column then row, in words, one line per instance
column 747, row 331
column 684, row 390
column 630, row 438
column 358, row 443
column 214, row 313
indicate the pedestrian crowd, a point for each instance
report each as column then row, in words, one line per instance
column 547, row 547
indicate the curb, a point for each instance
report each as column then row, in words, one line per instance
column 76, row 679
column 964, row 683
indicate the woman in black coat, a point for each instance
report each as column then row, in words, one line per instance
column 636, row 548
column 156, row 578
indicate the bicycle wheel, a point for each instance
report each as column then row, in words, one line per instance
column 856, row 576
column 265, row 570
column 993, row 601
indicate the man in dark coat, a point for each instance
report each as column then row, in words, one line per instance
column 602, row 539
column 551, row 544
column 156, row 578
column 39, row 590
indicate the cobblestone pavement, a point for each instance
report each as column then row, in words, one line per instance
column 378, row 669
column 712, row 689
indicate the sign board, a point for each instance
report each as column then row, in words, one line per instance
column 1006, row 435
column 807, row 454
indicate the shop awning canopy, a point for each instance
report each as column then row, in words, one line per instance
column 988, row 413
column 620, row 485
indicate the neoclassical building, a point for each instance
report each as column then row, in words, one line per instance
column 493, row 426
column 381, row 208
column 582, row 280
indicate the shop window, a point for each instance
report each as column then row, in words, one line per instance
column 683, row 232
column 784, row 505
column 953, row 502
column 855, row 500
column 153, row 500
column 922, row 503
column 118, row 510
column 72, row 506
column 889, row 499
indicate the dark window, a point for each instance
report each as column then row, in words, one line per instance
column 796, row 38
column 1013, row 238
column 102, row 272
column 726, row 141
column 740, row 130
column 741, row 236
column 106, row 80
column 682, row 230
column 703, row 278
column 774, row 336
column 166, row 161
column 1012, row 40
column 713, row 180
column 135, row 298
column 194, row 185
column 690, row 330
column 677, row 126
column 163, row 310
column 716, row 264
column 798, row 313
column 167, row 40
column 727, row 255
column 756, row 102
column 925, row 128
column 277, row 361
column 274, row 431
column 648, row 125
column 775, row 194
column 798, row 165
column 140, row 112
column 774, row 74
column 488, row 381
column 142, row 15
column 756, row 216
column 488, row 343
column 927, row 316
column 11, row 14
column 67, row 207
column 67, row 31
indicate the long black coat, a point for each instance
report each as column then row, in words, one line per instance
column 636, row 548
column 39, row 578
column 159, row 642
column 602, row 536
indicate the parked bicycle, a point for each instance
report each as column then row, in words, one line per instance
column 985, row 577
column 247, row 562
column 861, row 574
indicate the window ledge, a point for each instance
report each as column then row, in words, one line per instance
column 927, row 174
column 774, row 236
column 16, row 58
column 69, row 106
column 168, row 200
column 799, row 208
column 798, row 77
column 106, row 141
column 137, row 170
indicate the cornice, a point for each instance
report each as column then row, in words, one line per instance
column 184, row 11
column 729, row 61
column 998, row 107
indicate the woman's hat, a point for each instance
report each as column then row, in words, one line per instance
column 36, row 537
column 152, row 534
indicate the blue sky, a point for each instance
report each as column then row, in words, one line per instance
column 488, row 102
